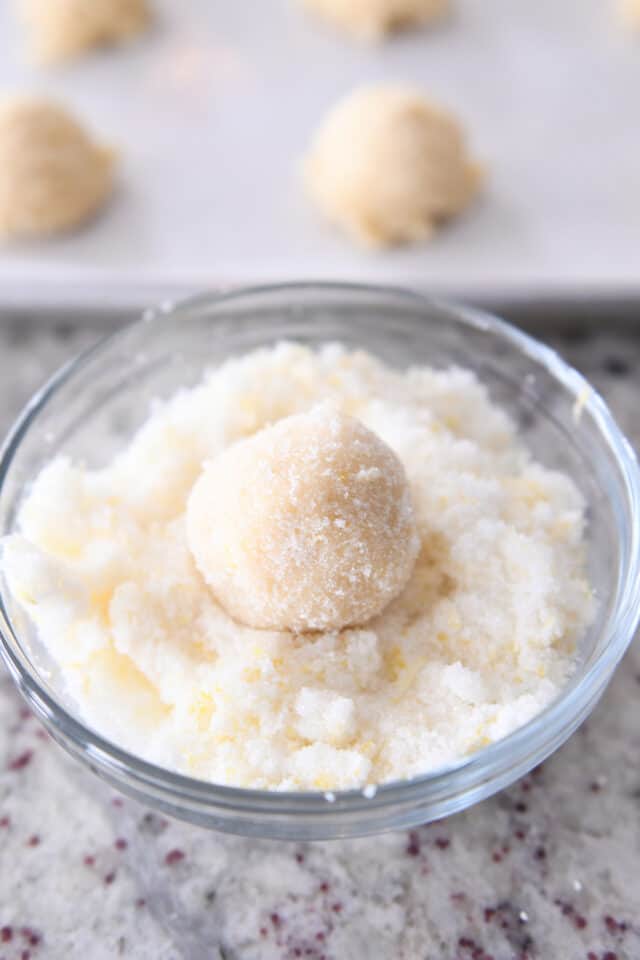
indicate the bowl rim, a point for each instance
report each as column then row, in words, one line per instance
column 117, row 763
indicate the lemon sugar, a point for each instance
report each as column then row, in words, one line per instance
column 311, row 571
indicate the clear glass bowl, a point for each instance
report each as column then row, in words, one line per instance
column 95, row 402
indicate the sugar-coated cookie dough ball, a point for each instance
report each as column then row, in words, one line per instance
column 307, row 525
column 388, row 166
column 52, row 176
column 63, row 29
column 372, row 19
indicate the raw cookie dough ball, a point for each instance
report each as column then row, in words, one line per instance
column 52, row 176
column 62, row 29
column 373, row 18
column 630, row 12
column 387, row 166
column 307, row 525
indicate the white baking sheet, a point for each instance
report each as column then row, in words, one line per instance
column 213, row 110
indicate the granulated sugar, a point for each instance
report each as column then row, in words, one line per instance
column 478, row 642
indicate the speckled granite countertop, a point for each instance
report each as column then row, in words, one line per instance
column 547, row 870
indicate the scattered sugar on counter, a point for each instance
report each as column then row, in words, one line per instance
column 480, row 639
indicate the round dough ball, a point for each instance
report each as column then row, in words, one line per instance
column 52, row 176
column 63, row 29
column 388, row 167
column 630, row 12
column 307, row 525
column 372, row 19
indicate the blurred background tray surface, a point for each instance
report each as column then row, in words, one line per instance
column 213, row 110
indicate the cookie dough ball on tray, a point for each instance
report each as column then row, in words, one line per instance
column 630, row 13
column 64, row 29
column 307, row 525
column 53, row 177
column 372, row 19
column 388, row 166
